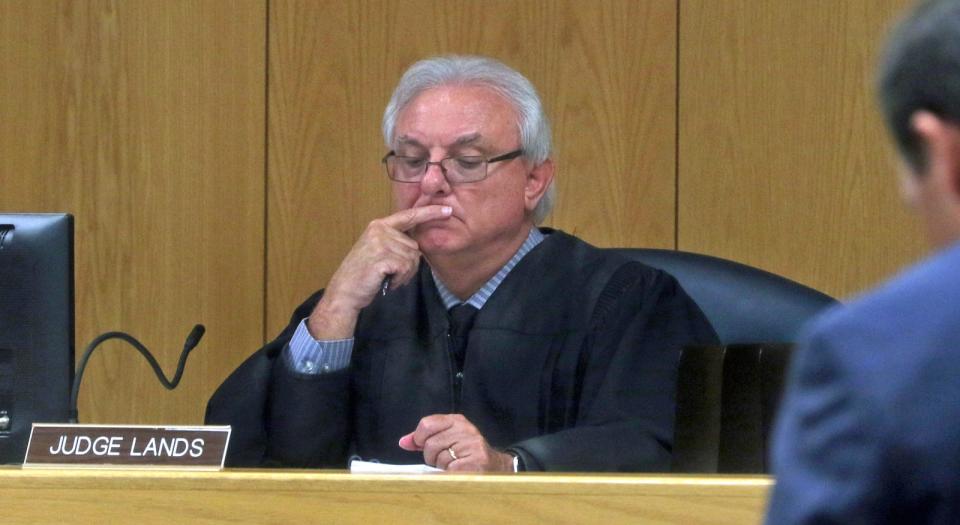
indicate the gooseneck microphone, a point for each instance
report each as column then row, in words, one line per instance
column 192, row 340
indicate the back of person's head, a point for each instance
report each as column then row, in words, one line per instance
column 461, row 70
column 920, row 70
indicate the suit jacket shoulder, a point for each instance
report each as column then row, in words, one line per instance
column 869, row 430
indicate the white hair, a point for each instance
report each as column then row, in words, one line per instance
column 473, row 70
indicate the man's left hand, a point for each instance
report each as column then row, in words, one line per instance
column 451, row 442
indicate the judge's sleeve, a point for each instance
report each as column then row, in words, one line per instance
column 280, row 417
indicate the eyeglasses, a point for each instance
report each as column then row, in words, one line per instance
column 457, row 170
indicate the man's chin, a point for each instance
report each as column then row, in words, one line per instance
column 437, row 241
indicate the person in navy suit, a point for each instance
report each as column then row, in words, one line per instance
column 869, row 430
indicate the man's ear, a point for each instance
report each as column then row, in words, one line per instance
column 538, row 180
column 941, row 141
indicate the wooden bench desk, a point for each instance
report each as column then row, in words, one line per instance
column 311, row 496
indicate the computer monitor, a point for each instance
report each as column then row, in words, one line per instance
column 36, row 325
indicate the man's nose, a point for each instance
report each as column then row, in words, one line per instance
column 434, row 180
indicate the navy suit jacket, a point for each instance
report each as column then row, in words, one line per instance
column 869, row 431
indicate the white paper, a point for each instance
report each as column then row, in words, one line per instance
column 369, row 467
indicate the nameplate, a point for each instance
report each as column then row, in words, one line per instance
column 130, row 446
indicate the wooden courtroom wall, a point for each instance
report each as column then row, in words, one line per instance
column 784, row 163
column 145, row 120
column 222, row 156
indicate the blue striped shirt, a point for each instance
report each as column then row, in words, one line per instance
column 306, row 355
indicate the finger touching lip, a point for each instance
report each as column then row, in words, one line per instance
column 454, row 213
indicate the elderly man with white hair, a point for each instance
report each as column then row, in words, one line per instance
column 456, row 332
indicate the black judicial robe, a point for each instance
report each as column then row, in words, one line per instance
column 571, row 364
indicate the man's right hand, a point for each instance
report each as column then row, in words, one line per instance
column 383, row 249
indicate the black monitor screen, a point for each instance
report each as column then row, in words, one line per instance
column 36, row 325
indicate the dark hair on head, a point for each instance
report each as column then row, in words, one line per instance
column 920, row 70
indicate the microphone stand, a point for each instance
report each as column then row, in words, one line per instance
column 192, row 340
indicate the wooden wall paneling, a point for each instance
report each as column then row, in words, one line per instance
column 605, row 70
column 146, row 121
column 613, row 109
column 783, row 161
column 778, row 119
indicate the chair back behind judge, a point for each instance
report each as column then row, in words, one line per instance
column 727, row 396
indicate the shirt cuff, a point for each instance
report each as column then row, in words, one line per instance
column 306, row 355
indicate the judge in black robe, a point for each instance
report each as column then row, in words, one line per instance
column 570, row 365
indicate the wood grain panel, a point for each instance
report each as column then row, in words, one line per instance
column 783, row 160
column 605, row 70
column 266, row 496
column 146, row 121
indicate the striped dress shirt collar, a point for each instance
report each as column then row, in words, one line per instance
column 478, row 299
